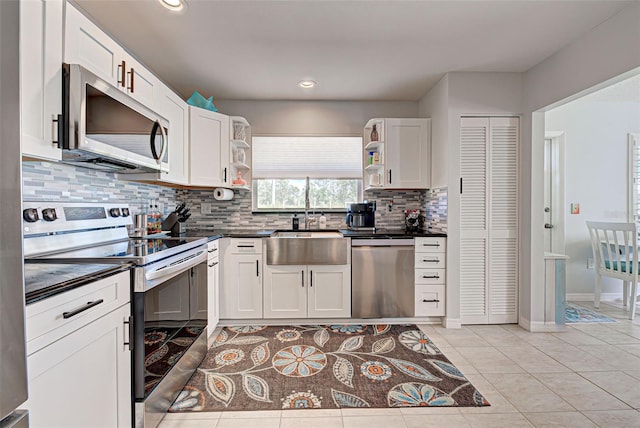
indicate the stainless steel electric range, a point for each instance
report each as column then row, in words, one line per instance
column 168, row 293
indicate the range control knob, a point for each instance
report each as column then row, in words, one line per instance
column 30, row 215
column 114, row 212
column 125, row 212
column 49, row 214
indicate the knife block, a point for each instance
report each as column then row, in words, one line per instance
column 177, row 229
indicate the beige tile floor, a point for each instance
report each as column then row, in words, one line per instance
column 586, row 376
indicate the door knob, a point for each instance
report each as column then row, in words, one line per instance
column 548, row 226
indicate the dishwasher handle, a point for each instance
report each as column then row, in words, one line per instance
column 383, row 242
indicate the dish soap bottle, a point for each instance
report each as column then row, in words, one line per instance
column 322, row 221
column 295, row 222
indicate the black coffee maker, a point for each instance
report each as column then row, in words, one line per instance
column 361, row 216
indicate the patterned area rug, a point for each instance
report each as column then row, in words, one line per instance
column 578, row 314
column 331, row 366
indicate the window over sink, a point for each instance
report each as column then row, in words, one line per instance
column 281, row 165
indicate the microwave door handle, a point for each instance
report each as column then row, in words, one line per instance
column 164, row 144
column 154, row 131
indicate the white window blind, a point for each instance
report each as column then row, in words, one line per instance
column 299, row 157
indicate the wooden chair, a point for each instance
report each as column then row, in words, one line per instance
column 615, row 255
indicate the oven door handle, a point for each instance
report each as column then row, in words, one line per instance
column 177, row 266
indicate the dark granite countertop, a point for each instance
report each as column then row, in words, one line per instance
column 213, row 234
column 44, row 280
column 388, row 234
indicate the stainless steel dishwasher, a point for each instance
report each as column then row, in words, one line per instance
column 382, row 278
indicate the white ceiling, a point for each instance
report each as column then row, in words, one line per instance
column 355, row 50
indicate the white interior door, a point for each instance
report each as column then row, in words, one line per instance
column 548, row 191
column 554, row 192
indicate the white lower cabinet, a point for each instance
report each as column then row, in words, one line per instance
column 307, row 291
column 241, row 278
column 329, row 293
column 80, row 370
column 430, row 276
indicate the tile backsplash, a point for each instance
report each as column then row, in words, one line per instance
column 236, row 213
column 44, row 181
column 436, row 209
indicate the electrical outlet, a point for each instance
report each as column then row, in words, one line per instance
column 205, row 208
column 590, row 263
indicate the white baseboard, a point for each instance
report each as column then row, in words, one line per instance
column 585, row 297
column 540, row 326
column 329, row 321
column 451, row 323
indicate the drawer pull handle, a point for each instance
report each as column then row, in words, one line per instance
column 430, row 261
column 212, row 250
column 431, row 276
column 430, row 301
column 437, row 244
column 245, row 246
column 213, row 264
column 75, row 312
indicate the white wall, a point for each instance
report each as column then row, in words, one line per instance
column 595, row 174
column 314, row 117
column 606, row 52
column 435, row 105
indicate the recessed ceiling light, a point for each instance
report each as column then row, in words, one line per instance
column 306, row 84
column 173, row 5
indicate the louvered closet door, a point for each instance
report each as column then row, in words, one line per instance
column 488, row 220
column 503, row 214
column 474, row 137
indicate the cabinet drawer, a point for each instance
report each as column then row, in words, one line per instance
column 213, row 250
column 430, row 276
column 430, row 300
column 431, row 245
column 430, row 261
column 246, row 246
column 45, row 321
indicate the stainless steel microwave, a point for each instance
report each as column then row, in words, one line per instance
column 103, row 127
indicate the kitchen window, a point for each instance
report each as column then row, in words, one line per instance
column 280, row 166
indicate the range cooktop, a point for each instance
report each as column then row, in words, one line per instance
column 138, row 250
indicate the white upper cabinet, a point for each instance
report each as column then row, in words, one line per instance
column 41, row 77
column 209, row 148
column 399, row 157
column 176, row 111
column 86, row 44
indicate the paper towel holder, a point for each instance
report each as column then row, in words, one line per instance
column 222, row 194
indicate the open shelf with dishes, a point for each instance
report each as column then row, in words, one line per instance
column 240, row 153
column 374, row 155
